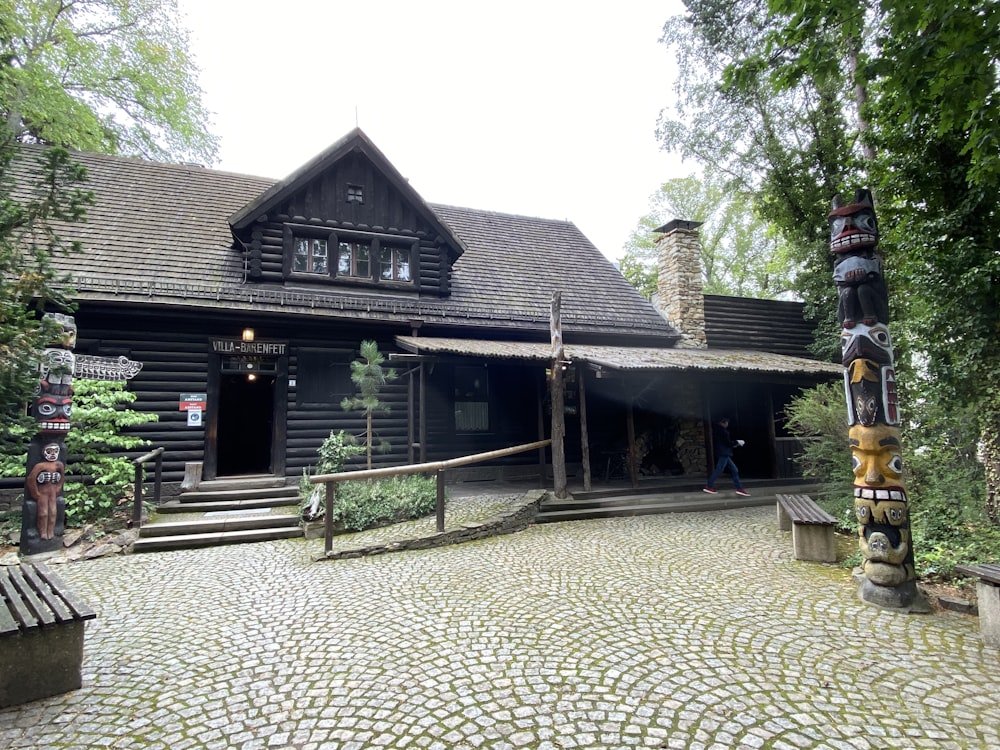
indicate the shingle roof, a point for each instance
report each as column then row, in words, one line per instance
column 625, row 357
column 159, row 235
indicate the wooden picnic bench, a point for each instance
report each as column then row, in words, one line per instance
column 988, row 593
column 41, row 634
column 811, row 527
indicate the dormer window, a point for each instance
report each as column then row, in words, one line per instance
column 311, row 256
column 355, row 259
column 355, row 194
column 394, row 263
column 345, row 256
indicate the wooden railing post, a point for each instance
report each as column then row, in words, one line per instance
column 439, row 505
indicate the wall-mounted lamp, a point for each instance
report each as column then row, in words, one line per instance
column 248, row 334
column 252, row 376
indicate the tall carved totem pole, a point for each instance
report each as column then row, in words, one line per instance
column 880, row 501
column 44, row 513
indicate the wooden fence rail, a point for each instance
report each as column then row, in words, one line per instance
column 439, row 467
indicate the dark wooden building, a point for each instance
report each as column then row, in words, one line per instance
column 256, row 294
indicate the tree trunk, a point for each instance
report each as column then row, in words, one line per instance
column 990, row 455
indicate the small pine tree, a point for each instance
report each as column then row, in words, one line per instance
column 369, row 376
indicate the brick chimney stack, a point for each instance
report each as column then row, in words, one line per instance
column 679, row 293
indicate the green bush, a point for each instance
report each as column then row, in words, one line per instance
column 819, row 419
column 337, row 449
column 945, row 483
column 366, row 504
column 100, row 476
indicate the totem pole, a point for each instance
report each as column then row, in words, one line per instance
column 44, row 513
column 872, row 409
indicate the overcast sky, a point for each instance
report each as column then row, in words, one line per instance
column 544, row 108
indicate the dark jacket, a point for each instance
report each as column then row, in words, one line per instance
column 721, row 442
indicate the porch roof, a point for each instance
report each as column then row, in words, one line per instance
column 635, row 358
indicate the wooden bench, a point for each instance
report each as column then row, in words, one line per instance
column 811, row 527
column 41, row 634
column 988, row 593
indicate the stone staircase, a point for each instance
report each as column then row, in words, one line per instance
column 609, row 503
column 225, row 511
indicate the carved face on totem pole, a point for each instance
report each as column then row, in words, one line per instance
column 857, row 268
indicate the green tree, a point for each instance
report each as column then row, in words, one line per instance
column 112, row 76
column 741, row 255
column 788, row 149
column 369, row 376
column 898, row 97
column 926, row 89
column 29, row 283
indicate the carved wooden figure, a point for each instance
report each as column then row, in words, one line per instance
column 43, row 515
column 880, row 501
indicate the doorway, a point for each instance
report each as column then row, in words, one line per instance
column 246, row 424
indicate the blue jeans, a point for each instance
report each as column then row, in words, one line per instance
column 720, row 466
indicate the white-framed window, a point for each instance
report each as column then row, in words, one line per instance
column 311, row 256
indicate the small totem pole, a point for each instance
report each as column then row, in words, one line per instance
column 44, row 513
column 872, row 409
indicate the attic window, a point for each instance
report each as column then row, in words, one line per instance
column 394, row 263
column 354, row 259
column 311, row 256
column 355, row 194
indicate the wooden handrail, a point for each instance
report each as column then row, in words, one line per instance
column 153, row 455
column 330, row 480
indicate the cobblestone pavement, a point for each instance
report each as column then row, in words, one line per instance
column 687, row 630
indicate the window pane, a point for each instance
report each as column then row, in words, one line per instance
column 402, row 266
column 300, row 262
column 319, row 257
column 472, row 412
column 361, row 266
column 344, row 264
column 385, row 262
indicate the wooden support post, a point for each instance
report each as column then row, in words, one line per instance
column 558, row 411
column 584, row 432
column 633, row 470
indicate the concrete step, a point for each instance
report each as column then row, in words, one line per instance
column 555, row 511
column 202, row 495
column 212, row 539
column 223, row 522
column 176, row 506
column 677, row 500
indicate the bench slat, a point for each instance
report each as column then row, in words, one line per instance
column 986, row 571
column 15, row 602
column 802, row 509
column 8, row 625
column 80, row 610
column 45, row 592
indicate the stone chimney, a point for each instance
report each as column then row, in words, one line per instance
column 679, row 294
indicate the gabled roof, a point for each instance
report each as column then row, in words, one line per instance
column 159, row 235
column 355, row 141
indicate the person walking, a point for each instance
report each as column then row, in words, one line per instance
column 723, row 446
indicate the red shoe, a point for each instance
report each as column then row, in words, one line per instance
column 710, row 490
column 742, row 493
